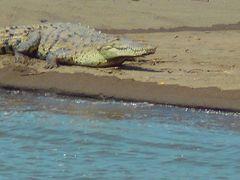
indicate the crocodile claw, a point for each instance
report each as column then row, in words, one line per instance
column 50, row 66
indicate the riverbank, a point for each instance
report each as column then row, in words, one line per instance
column 109, row 87
column 196, row 63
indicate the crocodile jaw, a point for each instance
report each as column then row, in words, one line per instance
column 116, row 52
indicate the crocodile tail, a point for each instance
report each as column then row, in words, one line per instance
column 3, row 35
column 5, row 48
column 9, row 36
column 2, row 50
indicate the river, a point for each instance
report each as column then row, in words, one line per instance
column 47, row 136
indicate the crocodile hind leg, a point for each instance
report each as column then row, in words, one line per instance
column 27, row 48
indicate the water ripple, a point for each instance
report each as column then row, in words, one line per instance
column 45, row 136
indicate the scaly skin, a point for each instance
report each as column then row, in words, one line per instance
column 69, row 43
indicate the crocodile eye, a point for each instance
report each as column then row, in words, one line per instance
column 99, row 47
column 107, row 47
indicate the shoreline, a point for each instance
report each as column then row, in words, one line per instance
column 84, row 85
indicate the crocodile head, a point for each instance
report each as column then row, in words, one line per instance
column 120, row 49
column 111, row 53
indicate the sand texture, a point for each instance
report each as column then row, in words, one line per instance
column 196, row 63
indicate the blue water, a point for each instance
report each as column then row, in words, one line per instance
column 45, row 136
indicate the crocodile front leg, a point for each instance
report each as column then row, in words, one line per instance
column 27, row 48
column 59, row 55
column 51, row 61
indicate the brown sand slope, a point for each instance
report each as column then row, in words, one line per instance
column 122, row 14
column 199, row 67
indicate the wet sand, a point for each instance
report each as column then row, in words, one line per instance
column 196, row 63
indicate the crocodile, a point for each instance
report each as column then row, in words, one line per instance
column 69, row 43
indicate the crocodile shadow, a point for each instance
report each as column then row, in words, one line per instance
column 136, row 68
